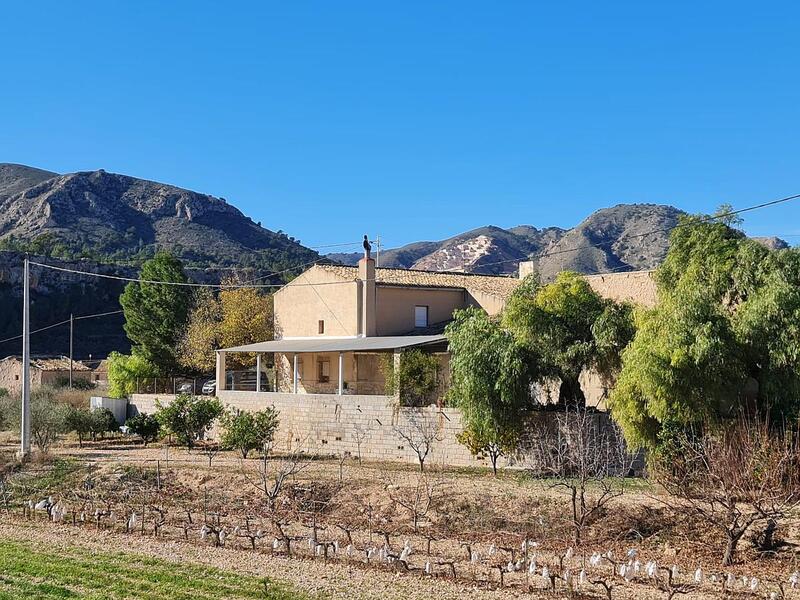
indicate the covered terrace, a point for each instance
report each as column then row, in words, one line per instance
column 327, row 365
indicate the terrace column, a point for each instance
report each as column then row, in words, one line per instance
column 294, row 379
column 258, row 372
column 220, row 370
column 341, row 373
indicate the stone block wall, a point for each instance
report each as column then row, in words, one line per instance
column 370, row 425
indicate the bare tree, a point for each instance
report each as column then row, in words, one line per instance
column 420, row 434
column 744, row 474
column 271, row 475
column 588, row 459
column 418, row 499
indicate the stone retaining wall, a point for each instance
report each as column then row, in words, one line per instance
column 370, row 425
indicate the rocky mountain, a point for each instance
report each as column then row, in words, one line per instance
column 106, row 216
column 101, row 218
column 17, row 178
column 623, row 237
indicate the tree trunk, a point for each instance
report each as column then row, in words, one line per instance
column 570, row 393
column 730, row 547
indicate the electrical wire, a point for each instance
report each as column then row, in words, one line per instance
column 104, row 314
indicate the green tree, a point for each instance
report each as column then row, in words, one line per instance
column 722, row 338
column 246, row 431
column 155, row 314
column 189, row 417
column 80, row 421
column 569, row 328
column 124, row 370
column 102, row 422
column 491, row 375
column 145, row 426
column 48, row 416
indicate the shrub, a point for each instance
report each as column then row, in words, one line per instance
column 102, row 422
column 188, row 417
column 78, row 383
column 417, row 377
column 80, row 421
column 48, row 417
column 145, row 426
column 246, row 431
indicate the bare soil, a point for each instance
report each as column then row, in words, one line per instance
column 470, row 511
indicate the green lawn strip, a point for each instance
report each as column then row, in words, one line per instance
column 118, row 578
column 121, row 575
column 18, row 587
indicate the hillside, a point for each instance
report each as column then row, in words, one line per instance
column 623, row 237
column 98, row 217
column 105, row 216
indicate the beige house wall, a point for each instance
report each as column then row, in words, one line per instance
column 299, row 306
column 493, row 305
column 395, row 307
column 638, row 287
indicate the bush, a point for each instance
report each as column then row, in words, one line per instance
column 246, row 431
column 145, row 426
column 78, row 383
column 417, row 377
column 188, row 417
column 48, row 417
column 102, row 422
column 80, row 421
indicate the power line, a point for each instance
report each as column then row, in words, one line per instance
column 104, row 314
column 179, row 283
column 646, row 233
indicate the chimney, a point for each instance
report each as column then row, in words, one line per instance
column 526, row 267
column 366, row 278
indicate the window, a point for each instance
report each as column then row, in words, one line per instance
column 321, row 325
column 420, row 316
column 323, row 370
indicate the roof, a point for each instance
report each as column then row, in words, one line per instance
column 322, row 344
column 51, row 363
column 493, row 285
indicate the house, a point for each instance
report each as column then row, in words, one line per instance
column 99, row 369
column 44, row 370
column 337, row 326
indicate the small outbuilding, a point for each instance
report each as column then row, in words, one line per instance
column 45, row 370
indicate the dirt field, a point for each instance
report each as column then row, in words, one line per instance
column 469, row 524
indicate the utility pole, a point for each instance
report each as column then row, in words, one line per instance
column 71, row 323
column 25, row 429
column 378, row 251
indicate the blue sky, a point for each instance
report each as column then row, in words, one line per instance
column 414, row 120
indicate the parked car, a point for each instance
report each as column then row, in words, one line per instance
column 210, row 387
column 186, row 388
